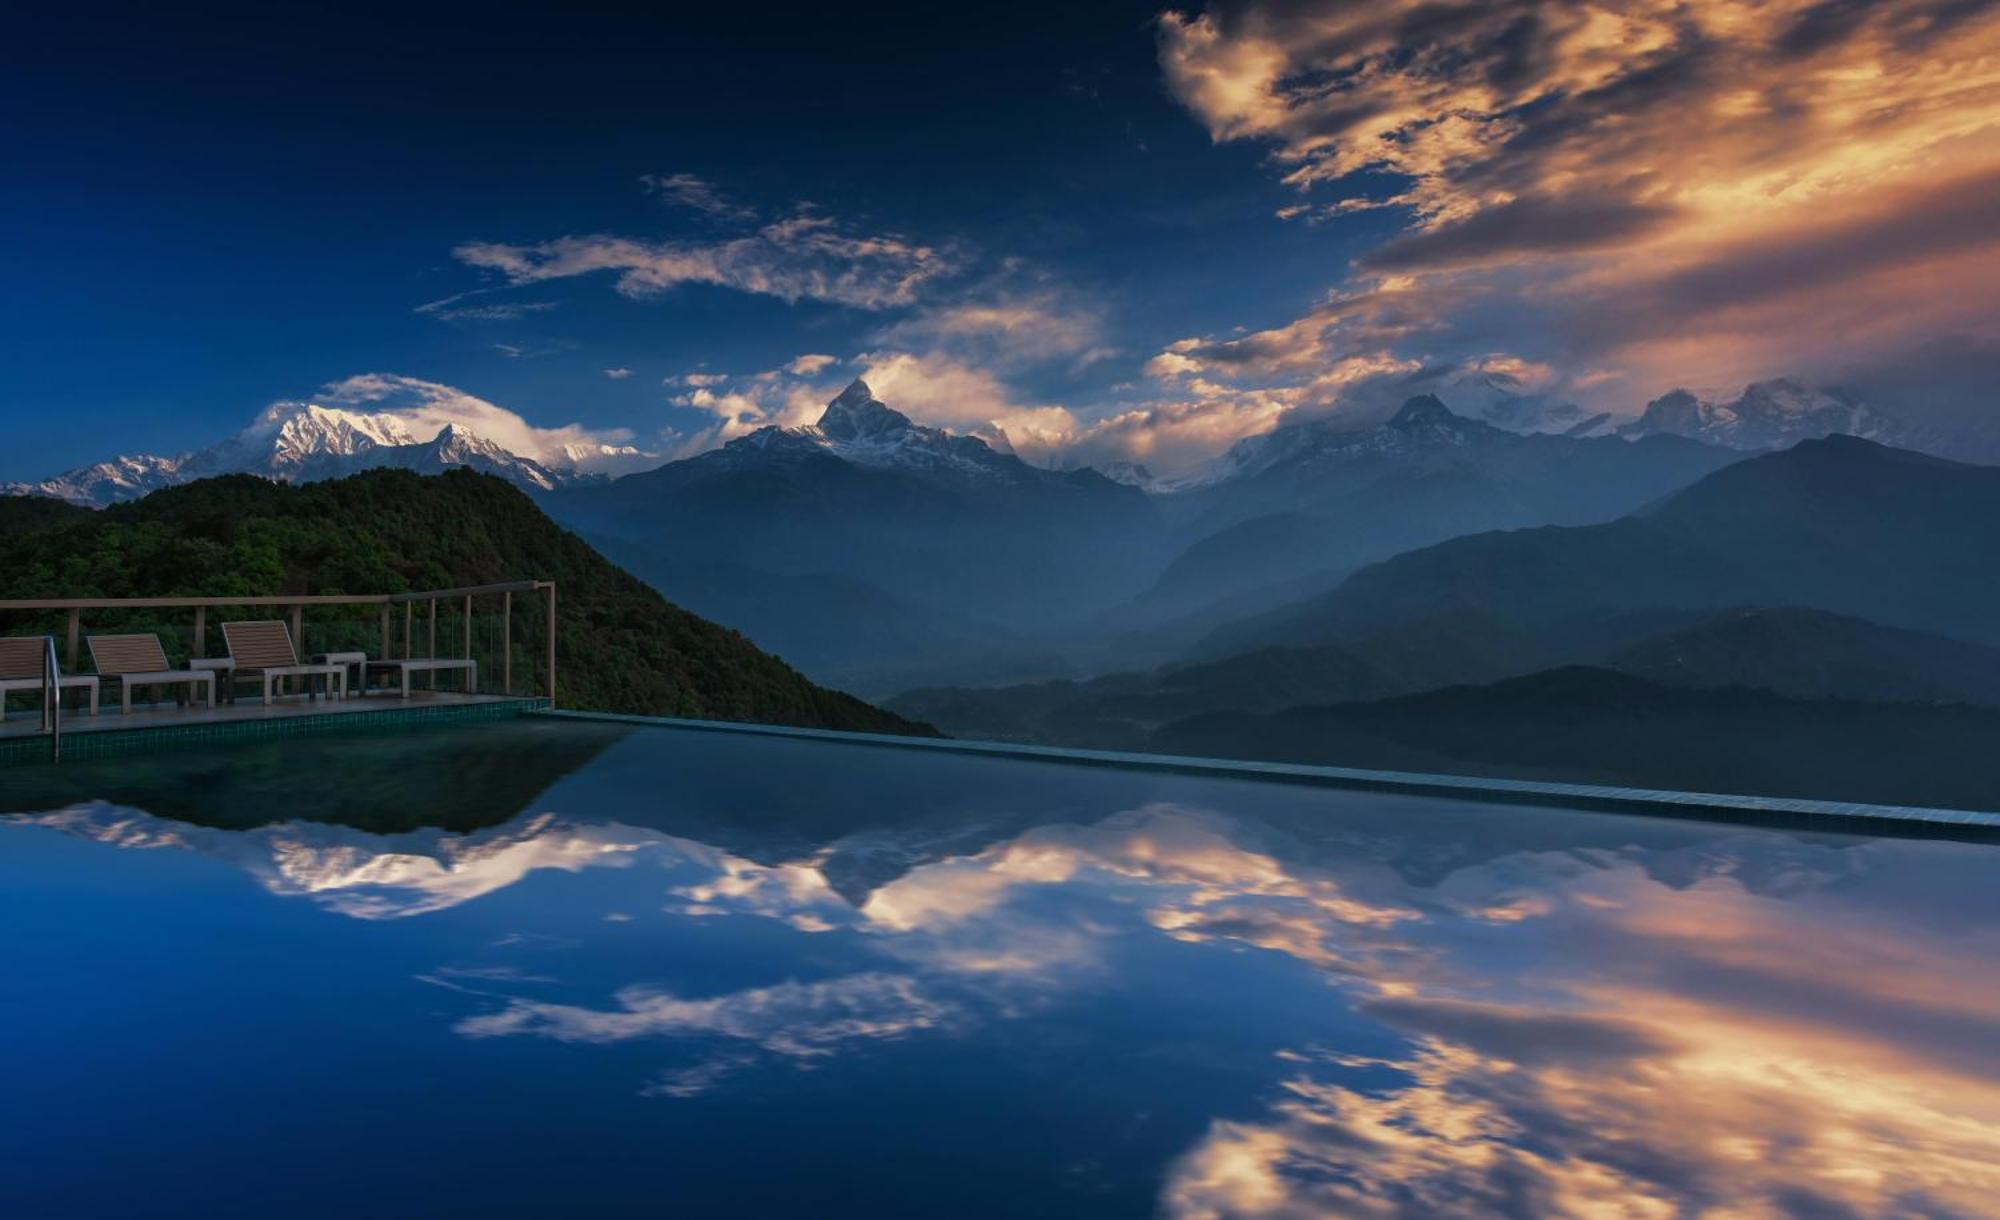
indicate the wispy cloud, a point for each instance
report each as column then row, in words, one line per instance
column 449, row 309
column 797, row 1020
column 617, row 374
column 805, row 256
column 690, row 191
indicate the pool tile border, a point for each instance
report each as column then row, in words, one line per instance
column 114, row 742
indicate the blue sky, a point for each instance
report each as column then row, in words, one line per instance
column 1031, row 208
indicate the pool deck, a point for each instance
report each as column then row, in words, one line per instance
column 1848, row 817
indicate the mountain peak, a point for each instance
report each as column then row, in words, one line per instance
column 857, row 415
column 1423, row 410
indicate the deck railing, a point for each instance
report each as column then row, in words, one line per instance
column 339, row 624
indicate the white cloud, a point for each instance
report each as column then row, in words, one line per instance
column 797, row 1020
column 811, row 364
column 1004, row 330
column 617, row 374
column 801, row 257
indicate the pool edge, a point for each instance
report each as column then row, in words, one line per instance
column 1797, row 813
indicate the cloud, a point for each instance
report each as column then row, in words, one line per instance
column 449, row 310
column 1602, row 1118
column 1006, row 330
column 801, row 257
column 812, row 364
column 531, row 351
column 947, row 393
column 690, row 191
column 427, row 407
column 797, row 1020
column 617, row 374
column 1675, row 192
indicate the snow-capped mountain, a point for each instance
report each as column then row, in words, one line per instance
column 365, row 875
column 859, row 428
column 1131, row 474
column 1421, row 423
column 1769, row 415
column 873, row 549
column 303, row 442
column 1505, row 401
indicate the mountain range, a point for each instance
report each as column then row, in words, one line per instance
column 1326, row 560
column 874, row 551
column 1839, row 570
column 883, row 555
column 1777, row 415
column 1298, row 508
column 303, row 442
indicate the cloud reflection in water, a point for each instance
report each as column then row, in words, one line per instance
column 1733, row 1023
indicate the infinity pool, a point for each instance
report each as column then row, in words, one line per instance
column 556, row 969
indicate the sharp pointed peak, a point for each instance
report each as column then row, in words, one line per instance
column 858, row 415
column 1423, row 409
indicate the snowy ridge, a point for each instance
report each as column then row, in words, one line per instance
column 363, row 875
column 1421, row 424
column 303, row 442
column 1768, row 415
column 859, row 428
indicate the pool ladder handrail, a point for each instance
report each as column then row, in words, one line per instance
column 51, row 699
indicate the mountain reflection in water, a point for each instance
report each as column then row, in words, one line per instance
column 1230, row 999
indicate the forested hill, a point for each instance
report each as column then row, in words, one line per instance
column 620, row 646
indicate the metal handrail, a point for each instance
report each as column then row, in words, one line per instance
column 297, row 602
column 51, row 699
column 295, row 599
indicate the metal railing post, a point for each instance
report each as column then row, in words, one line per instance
column 552, row 643
column 51, row 699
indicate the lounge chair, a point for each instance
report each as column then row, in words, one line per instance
column 138, row 660
column 21, row 659
column 264, row 649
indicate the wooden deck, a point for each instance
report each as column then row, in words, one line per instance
column 24, row 717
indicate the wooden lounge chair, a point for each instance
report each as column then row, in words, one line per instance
column 21, row 659
column 264, row 649
column 138, row 660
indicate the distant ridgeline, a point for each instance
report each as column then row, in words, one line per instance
column 1821, row 621
column 621, row 646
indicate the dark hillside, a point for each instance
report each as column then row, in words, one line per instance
column 621, row 647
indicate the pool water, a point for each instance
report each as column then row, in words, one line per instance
column 558, row 969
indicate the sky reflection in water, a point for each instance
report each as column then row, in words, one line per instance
column 781, row 978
